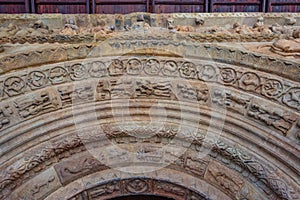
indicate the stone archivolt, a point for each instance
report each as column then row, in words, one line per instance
column 61, row 104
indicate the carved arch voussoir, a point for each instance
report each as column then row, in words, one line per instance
column 37, row 87
column 221, row 151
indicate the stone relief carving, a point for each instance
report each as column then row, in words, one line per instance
column 256, row 168
column 232, row 100
column 39, row 32
column 284, row 93
column 152, row 67
column 34, row 105
column 71, row 95
column 14, row 173
column 196, row 165
column 170, row 188
column 98, row 69
column 292, row 98
column 70, row 170
column 134, row 66
column 241, row 159
column 116, row 67
column 36, row 188
column 188, row 70
column 228, row 183
column 13, row 86
column 139, row 185
column 57, row 75
column 5, row 114
column 37, row 79
column 78, row 71
column 195, row 93
column 281, row 92
column 146, row 88
column 136, row 186
column 104, row 189
column 280, row 121
column 286, row 47
column 170, row 68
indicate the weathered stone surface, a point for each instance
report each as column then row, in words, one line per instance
column 187, row 106
column 40, row 186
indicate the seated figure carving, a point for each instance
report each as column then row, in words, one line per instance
column 288, row 47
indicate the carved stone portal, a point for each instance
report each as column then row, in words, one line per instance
column 139, row 106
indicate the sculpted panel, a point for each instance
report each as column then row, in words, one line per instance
column 282, row 91
column 263, row 177
column 44, row 101
column 41, row 186
column 74, row 168
column 228, row 180
column 41, row 102
column 262, row 92
column 67, row 170
column 6, row 115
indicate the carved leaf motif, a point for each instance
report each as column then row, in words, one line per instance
column 279, row 187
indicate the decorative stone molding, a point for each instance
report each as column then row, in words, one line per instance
column 67, row 93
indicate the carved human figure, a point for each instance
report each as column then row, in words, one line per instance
column 286, row 47
column 5, row 114
column 170, row 23
column 146, row 88
column 292, row 98
column 188, row 70
column 29, row 106
column 116, row 67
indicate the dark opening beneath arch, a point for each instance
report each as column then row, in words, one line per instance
column 142, row 197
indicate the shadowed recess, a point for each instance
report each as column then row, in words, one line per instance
column 141, row 197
